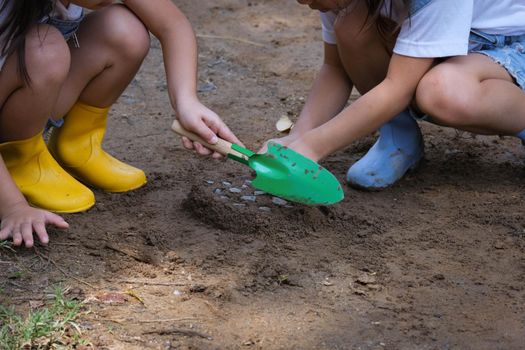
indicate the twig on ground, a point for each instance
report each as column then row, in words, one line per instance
column 154, row 283
column 227, row 37
column 112, row 320
column 66, row 244
column 28, row 298
column 167, row 320
column 62, row 270
column 134, row 295
column 148, row 259
column 180, row 331
column 128, row 321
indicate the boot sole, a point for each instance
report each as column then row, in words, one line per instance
column 71, row 211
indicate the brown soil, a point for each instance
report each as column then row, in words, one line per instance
column 435, row 262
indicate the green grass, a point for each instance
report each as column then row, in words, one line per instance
column 50, row 327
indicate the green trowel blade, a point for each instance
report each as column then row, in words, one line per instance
column 289, row 175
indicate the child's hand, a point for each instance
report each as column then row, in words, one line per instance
column 22, row 220
column 302, row 147
column 204, row 122
column 294, row 142
column 284, row 141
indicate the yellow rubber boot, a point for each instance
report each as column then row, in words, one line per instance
column 77, row 146
column 41, row 180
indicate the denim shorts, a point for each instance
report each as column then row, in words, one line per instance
column 68, row 28
column 508, row 51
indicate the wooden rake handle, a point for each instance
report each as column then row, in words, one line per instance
column 222, row 146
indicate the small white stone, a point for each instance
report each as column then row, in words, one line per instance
column 226, row 183
column 266, row 209
column 279, row 201
column 249, row 198
column 235, row 190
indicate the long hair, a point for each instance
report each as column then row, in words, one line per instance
column 22, row 15
column 384, row 22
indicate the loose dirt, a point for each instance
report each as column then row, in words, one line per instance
column 435, row 262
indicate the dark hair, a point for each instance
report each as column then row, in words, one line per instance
column 384, row 23
column 22, row 15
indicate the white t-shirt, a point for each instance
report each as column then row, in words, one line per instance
column 442, row 28
column 72, row 12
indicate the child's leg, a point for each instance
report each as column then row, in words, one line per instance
column 24, row 112
column 327, row 97
column 113, row 43
column 365, row 54
column 473, row 93
column 26, row 107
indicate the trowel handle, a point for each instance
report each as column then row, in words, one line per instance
column 222, row 146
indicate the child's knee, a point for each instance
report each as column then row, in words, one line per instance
column 127, row 34
column 439, row 95
column 47, row 57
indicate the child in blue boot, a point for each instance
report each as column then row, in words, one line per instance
column 58, row 62
column 462, row 63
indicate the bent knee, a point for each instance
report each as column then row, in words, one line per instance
column 126, row 33
column 444, row 94
column 47, row 56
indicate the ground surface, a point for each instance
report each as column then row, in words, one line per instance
column 436, row 262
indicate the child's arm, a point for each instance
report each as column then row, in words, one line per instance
column 369, row 112
column 328, row 95
column 18, row 219
column 179, row 48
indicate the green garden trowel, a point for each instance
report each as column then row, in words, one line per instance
column 280, row 171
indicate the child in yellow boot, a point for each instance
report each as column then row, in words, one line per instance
column 76, row 71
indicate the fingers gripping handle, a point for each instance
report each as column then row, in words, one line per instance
column 222, row 146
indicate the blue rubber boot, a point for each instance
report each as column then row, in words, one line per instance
column 398, row 149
